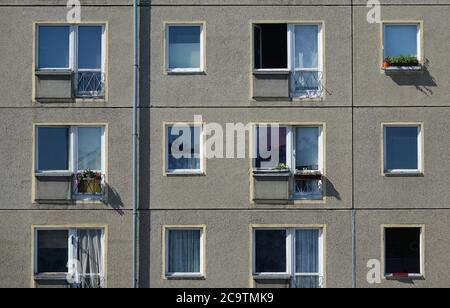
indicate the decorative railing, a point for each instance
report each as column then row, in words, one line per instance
column 307, row 84
column 89, row 84
column 92, row 185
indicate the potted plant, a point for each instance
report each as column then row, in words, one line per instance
column 89, row 182
column 386, row 63
column 404, row 60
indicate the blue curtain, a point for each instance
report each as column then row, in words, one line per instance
column 184, row 251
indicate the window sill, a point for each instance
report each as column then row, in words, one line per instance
column 51, row 276
column 271, row 276
column 54, row 174
column 185, row 173
column 186, row 72
column 404, row 276
column 272, row 72
column 402, row 69
column 403, row 174
column 185, row 277
column 55, row 72
column 271, row 172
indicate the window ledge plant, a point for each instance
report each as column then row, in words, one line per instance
column 89, row 182
column 401, row 61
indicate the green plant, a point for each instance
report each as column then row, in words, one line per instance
column 89, row 175
column 282, row 167
column 402, row 60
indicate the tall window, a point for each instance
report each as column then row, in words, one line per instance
column 402, row 149
column 293, row 253
column 78, row 150
column 184, row 48
column 80, row 49
column 294, row 48
column 184, row 148
column 184, row 252
column 72, row 255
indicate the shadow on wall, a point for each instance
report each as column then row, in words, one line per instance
column 114, row 200
column 423, row 81
column 331, row 191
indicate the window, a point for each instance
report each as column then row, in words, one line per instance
column 184, row 149
column 184, row 45
column 403, row 149
column 403, row 251
column 292, row 253
column 300, row 149
column 78, row 150
column 184, row 252
column 291, row 48
column 402, row 40
column 80, row 49
column 75, row 255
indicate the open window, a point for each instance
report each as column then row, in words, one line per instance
column 292, row 255
column 403, row 252
column 69, row 257
column 292, row 49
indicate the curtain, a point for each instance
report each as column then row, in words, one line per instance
column 307, row 258
column 90, row 258
column 184, row 251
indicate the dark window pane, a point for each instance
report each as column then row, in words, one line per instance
column 271, row 46
column 184, row 47
column 270, row 251
column 402, row 250
column 52, row 251
column 307, row 148
column 90, row 47
column 265, row 147
column 53, row 148
column 188, row 157
column 53, row 46
column 402, row 148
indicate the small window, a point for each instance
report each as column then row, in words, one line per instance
column 402, row 149
column 184, row 252
column 73, row 255
column 79, row 49
column 184, row 149
column 184, row 48
column 401, row 40
column 292, row 253
column 403, row 252
column 78, row 150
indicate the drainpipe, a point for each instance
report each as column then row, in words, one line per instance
column 135, row 139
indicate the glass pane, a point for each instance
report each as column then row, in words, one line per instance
column 53, row 251
column 90, row 148
column 308, row 188
column 184, row 47
column 307, row 282
column 400, row 40
column 268, row 149
column 307, row 251
column 54, row 46
column 270, row 247
column 184, row 251
column 53, row 148
column 306, row 81
column 307, row 148
column 90, row 47
column 306, row 46
column 188, row 146
column 402, row 250
column 402, row 148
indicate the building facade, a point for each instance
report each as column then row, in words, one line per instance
column 359, row 191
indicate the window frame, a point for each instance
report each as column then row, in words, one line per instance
column 181, row 172
column 418, row 24
column 421, row 254
column 420, row 150
column 202, row 67
column 166, row 252
column 290, row 273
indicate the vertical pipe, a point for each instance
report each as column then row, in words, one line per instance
column 135, row 141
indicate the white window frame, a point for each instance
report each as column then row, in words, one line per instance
column 419, row 170
column 201, row 69
column 73, row 155
column 290, row 255
column 419, row 36
column 168, row 274
column 421, row 254
column 72, row 248
column 201, row 154
column 291, row 69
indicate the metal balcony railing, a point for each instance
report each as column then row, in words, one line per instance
column 92, row 186
column 89, row 84
column 307, row 84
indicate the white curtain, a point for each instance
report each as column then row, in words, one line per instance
column 307, row 258
column 184, row 251
column 90, row 258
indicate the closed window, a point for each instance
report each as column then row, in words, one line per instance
column 184, row 44
column 80, row 49
column 403, row 252
column 78, row 150
column 403, row 149
column 293, row 254
column 184, row 147
column 72, row 255
column 184, row 252
column 402, row 40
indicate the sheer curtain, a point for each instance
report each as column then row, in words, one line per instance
column 90, row 258
column 184, row 251
column 307, row 258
